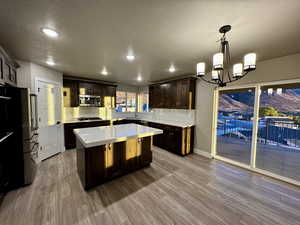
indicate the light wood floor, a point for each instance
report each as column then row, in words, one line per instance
column 174, row 190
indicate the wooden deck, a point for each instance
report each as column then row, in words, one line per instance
column 174, row 190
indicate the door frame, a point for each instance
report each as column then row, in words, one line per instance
column 58, row 84
column 252, row 166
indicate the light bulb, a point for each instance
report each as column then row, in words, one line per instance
column 218, row 61
column 215, row 75
column 200, row 69
column 50, row 32
column 250, row 62
column 279, row 91
column 172, row 69
column 50, row 62
column 104, row 71
column 237, row 70
column 270, row 91
column 130, row 57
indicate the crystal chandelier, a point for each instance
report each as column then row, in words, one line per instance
column 221, row 74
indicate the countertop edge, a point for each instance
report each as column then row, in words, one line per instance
column 114, row 140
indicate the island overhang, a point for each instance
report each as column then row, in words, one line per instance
column 95, row 136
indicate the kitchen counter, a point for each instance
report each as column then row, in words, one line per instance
column 81, row 121
column 181, row 124
column 94, row 136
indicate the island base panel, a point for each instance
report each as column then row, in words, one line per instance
column 97, row 165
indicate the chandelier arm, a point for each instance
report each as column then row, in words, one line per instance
column 238, row 78
column 229, row 78
column 211, row 82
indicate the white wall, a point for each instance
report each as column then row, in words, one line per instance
column 43, row 73
column 283, row 68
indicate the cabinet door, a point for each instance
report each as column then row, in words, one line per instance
column 95, row 168
column 151, row 97
column 182, row 94
column 146, row 151
column 70, row 139
column 86, row 88
column 70, row 93
column 109, row 96
column 6, row 71
column 97, row 89
column 119, row 158
column 131, row 154
column 1, row 70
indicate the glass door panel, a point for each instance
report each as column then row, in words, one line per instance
column 278, row 138
column 235, row 124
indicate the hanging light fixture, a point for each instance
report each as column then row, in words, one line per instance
column 221, row 74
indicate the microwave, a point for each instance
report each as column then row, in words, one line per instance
column 89, row 100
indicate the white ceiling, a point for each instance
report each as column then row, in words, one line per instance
column 97, row 33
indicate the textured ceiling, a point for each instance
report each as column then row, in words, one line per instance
column 95, row 33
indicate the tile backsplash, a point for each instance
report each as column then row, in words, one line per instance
column 110, row 113
column 169, row 115
column 70, row 113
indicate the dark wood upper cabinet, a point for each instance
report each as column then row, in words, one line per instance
column 177, row 94
column 8, row 69
column 70, row 93
column 73, row 88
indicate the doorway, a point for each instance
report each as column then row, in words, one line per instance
column 49, row 114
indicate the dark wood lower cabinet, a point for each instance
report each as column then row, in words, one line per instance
column 70, row 139
column 177, row 140
column 97, row 165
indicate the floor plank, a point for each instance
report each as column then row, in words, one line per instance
column 173, row 190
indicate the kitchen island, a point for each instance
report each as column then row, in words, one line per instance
column 104, row 153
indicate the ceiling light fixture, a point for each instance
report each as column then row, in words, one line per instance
column 172, row 69
column 104, row 71
column 130, row 57
column 50, row 32
column 221, row 75
column 50, row 62
column 139, row 78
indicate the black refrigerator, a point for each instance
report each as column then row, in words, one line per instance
column 18, row 137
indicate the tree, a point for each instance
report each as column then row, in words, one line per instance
column 268, row 111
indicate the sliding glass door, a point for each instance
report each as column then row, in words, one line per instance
column 260, row 127
column 278, row 138
column 235, row 124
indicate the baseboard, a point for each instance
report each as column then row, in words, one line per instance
column 202, row 153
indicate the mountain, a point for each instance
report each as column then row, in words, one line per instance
column 228, row 103
column 287, row 102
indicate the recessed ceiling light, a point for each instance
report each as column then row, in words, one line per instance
column 50, row 32
column 139, row 78
column 130, row 57
column 172, row 69
column 104, row 71
column 50, row 62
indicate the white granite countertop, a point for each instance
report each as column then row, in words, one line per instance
column 167, row 122
column 94, row 136
column 182, row 124
column 81, row 121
